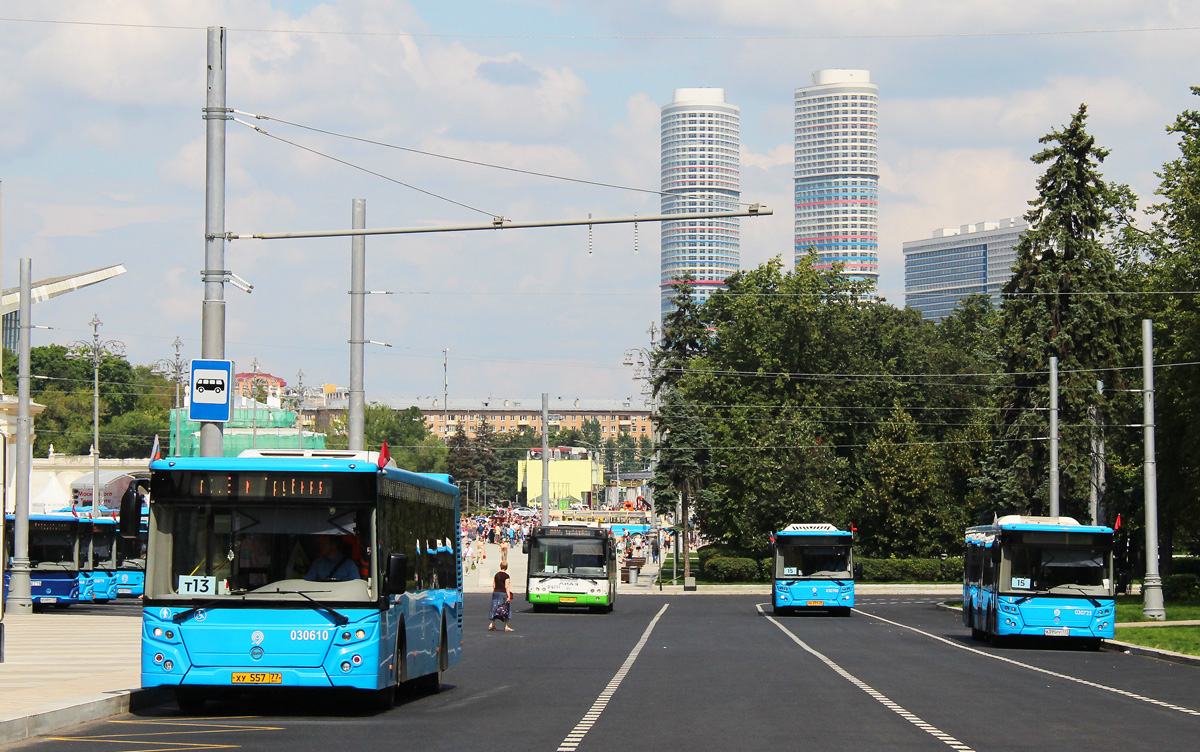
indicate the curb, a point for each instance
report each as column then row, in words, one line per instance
column 1128, row 648
column 53, row 716
column 1116, row 646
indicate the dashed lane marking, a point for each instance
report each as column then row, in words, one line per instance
column 573, row 739
column 928, row 728
column 1040, row 670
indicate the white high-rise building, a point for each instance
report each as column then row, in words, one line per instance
column 837, row 172
column 700, row 172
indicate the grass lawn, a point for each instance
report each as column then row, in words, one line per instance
column 1129, row 608
column 1177, row 639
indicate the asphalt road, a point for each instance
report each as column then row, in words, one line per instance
column 715, row 673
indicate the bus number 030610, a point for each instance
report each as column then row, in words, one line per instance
column 310, row 634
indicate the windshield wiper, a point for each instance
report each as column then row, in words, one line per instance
column 1081, row 591
column 183, row 616
column 338, row 618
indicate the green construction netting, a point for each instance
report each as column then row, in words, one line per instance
column 276, row 431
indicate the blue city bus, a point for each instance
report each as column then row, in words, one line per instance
column 299, row 569
column 1043, row 576
column 813, row 569
column 98, row 550
column 55, row 576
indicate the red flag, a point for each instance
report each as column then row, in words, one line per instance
column 1117, row 524
column 384, row 455
column 853, row 529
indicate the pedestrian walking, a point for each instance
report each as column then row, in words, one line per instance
column 504, row 552
column 501, row 599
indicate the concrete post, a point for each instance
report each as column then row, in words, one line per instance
column 545, row 458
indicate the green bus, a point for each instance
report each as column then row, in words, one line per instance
column 571, row 564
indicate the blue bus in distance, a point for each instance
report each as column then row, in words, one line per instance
column 1039, row 576
column 813, row 568
column 293, row 568
column 56, row 577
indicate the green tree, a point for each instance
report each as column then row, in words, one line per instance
column 1174, row 264
column 1058, row 303
column 683, row 455
column 410, row 442
column 904, row 509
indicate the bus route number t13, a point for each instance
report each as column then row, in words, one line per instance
column 192, row 585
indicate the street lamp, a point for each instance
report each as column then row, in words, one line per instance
column 96, row 351
column 177, row 371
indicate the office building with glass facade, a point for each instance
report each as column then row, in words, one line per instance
column 837, row 172
column 971, row 260
column 700, row 172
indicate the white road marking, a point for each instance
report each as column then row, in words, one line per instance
column 1048, row 672
column 589, row 718
column 930, row 729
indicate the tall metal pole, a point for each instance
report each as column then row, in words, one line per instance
column 300, row 410
column 96, row 352
column 1053, row 436
column 20, row 599
column 1152, row 597
column 545, row 458
column 445, row 393
column 254, row 406
column 178, row 343
column 1098, row 467
column 212, row 338
column 356, row 420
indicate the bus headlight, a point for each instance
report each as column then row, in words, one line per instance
column 158, row 657
column 346, row 666
column 360, row 634
column 158, row 631
column 356, row 660
column 168, row 665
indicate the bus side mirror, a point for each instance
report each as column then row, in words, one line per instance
column 525, row 546
column 130, row 522
column 858, row 575
column 397, row 574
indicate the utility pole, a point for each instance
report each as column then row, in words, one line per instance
column 1152, row 597
column 1053, row 436
column 1096, row 494
column 300, row 410
column 95, row 352
column 356, row 420
column 545, row 458
column 254, row 405
column 20, row 598
column 212, row 343
column 445, row 394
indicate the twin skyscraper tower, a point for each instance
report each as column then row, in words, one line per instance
column 836, row 136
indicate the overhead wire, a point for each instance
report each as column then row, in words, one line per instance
column 366, row 169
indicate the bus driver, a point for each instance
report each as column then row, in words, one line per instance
column 333, row 564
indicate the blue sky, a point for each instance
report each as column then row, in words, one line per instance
column 101, row 157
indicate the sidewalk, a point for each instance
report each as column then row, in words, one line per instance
column 62, row 669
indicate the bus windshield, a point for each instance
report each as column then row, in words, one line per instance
column 823, row 561
column 1050, row 568
column 567, row 556
column 262, row 551
column 52, row 545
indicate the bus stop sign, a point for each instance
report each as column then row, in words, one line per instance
column 212, row 385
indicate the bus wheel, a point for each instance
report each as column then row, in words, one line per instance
column 189, row 699
column 978, row 635
column 845, row 611
column 431, row 684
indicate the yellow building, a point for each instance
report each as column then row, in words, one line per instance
column 573, row 473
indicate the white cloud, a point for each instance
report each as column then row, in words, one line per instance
column 75, row 220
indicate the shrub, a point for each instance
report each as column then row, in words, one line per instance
column 1181, row 587
column 766, row 569
column 1188, row 565
column 732, row 569
column 912, row 570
